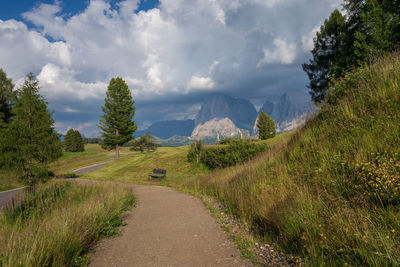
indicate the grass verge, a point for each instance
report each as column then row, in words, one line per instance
column 59, row 234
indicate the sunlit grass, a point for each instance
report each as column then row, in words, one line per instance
column 136, row 168
column 61, row 234
column 301, row 193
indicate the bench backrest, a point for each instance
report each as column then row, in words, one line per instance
column 160, row 171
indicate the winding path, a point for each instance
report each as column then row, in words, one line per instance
column 168, row 228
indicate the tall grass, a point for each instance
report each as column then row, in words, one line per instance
column 312, row 193
column 70, row 225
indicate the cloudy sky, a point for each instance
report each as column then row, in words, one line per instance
column 172, row 53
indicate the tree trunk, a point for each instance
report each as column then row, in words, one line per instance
column 117, row 146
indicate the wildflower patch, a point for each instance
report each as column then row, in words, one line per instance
column 378, row 180
column 33, row 201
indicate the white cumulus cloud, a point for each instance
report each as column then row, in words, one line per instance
column 205, row 83
column 282, row 53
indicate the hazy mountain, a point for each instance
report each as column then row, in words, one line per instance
column 287, row 113
column 219, row 106
column 222, row 116
column 167, row 129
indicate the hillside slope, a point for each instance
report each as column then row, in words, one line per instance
column 331, row 193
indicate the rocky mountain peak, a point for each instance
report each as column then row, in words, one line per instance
column 218, row 106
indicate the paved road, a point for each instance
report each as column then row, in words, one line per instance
column 6, row 195
column 90, row 168
column 167, row 228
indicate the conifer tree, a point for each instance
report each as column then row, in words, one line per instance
column 73, row 141
column 31, row 141
column 117, row 121
column 266, row 126
column 78, row 141
column 6, row 97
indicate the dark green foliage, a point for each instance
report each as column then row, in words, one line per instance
column 30, row 141
column 196, row 152
column 266, row 126
column 73, row 141
column 329, row 50
column 117, row 121
column 6, row 97
column 228, row 140
column 345, row 43
column 222, row 156
column 144, row 143
column 93, row 140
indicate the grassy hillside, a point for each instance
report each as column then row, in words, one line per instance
column 331, row 192
column 136, row 168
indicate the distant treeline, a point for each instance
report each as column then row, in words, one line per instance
column 92, row 140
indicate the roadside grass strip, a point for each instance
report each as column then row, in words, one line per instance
column 57, row 223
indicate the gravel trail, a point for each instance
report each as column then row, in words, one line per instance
column 168, row 228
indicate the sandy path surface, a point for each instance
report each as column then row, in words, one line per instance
column 168, row 228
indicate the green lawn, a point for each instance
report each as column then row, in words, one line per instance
column 136, row 168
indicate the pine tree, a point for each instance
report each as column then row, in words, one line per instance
column 266, row 126
column 73, row 141
column 68, row 140
column 117, row 121
column 329, row 58
column 78, row 141
column 31, row 141
column 6, row 97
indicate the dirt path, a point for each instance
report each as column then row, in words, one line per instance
column 168, row 228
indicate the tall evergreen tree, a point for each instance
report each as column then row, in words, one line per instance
column 73, row 141
column 31, row 141
column 78, row 140
column 6, row 97
column 372, row 27
column 266, row 126
column 329, row 50
column 117, row 121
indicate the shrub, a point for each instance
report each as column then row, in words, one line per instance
column 196, row 152
column 221, row 156
column 146, row 142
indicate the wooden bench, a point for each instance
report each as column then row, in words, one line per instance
column 158, row 173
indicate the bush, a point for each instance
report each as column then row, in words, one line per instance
column 196, row 152
column 144, row 143
column 221, row 156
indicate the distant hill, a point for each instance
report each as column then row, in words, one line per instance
column 167, row 129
